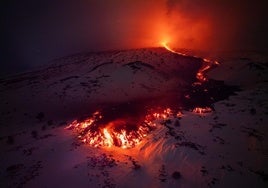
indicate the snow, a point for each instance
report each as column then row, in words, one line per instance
column 224, row 148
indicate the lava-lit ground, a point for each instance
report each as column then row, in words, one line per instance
column 125, row 124
column 137, row 118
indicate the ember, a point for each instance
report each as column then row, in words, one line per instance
column 200, row 110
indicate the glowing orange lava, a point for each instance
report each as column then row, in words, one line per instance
column 164, row 44
column 200, row 110
column 117, row 132
column 201, row 73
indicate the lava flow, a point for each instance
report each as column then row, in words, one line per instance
column 120, row 132
column 127, row 126
column 208, row 64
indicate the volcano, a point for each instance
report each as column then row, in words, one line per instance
column 149, row 117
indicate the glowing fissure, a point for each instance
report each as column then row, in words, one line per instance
column 200, row 75
column 91, row 132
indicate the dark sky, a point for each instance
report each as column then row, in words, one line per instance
column 34, row 32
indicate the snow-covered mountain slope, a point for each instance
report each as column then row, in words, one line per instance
column 75, row 83
column 226, row 147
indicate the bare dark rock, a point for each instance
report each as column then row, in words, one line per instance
column 29, row 151
column 44, row 127
column 102, row 161
column 162, row 174
column 177, row 123
column 251, row 132
column 46, row 136
column 49, row 122
column 136, row 166
column 40, row 116
column 176, row 175
column 13, row 168
column 253, row 111
column 204, row 171
column 263, row 175
column 168, row 121
column 34, row 134
column 10, row 140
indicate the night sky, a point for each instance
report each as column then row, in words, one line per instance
column 34, row 33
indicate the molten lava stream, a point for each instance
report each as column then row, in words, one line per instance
column 208, row 64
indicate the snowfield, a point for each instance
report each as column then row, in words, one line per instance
column 226, row 147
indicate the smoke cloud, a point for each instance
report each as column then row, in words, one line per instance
column 35, row 32
column 218, row 25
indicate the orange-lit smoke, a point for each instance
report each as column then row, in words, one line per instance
column 138, row 24
column 54, row 29
column 189, row 24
